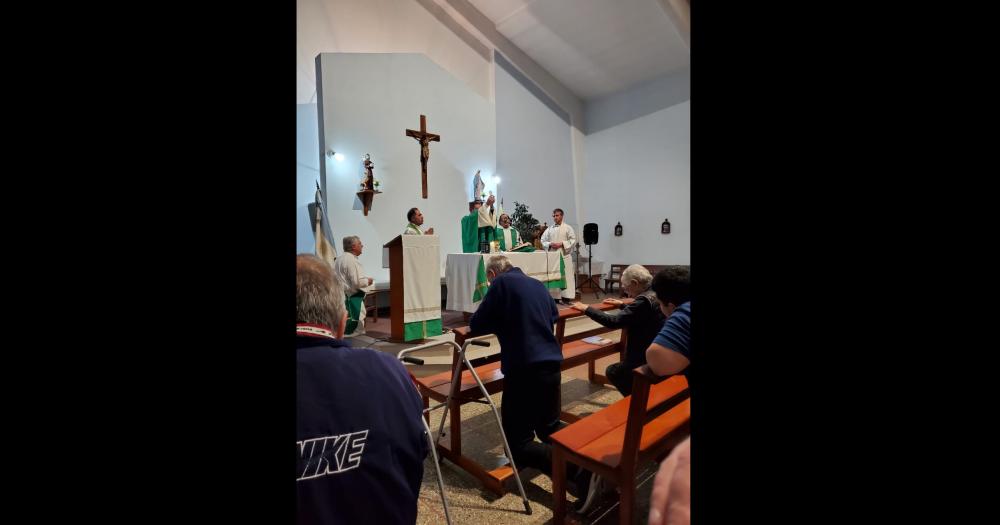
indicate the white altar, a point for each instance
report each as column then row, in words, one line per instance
column 465, row 275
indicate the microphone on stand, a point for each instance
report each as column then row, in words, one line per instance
column 576, row 268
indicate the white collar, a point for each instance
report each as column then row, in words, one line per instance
column 314, row 330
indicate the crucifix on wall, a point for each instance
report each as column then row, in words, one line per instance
column 424, row 139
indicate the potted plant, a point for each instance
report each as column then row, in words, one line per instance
column 523, row 222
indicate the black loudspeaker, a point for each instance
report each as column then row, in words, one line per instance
column 590, row 233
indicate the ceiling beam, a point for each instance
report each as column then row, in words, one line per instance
column 679, row 12
column 487, row 30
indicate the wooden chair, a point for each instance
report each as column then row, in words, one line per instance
column 371, row 308
column 614, row 278
column 615, row 441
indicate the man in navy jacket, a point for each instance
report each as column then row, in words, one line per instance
column 520, row 311
column 361, row 444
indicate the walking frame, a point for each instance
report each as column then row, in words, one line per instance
column 455, row 382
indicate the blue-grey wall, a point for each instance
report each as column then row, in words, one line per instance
column 306, row 174
column 534, row 157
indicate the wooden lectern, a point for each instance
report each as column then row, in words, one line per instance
column 414, row 287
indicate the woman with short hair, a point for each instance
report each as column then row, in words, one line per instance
column 642, row 317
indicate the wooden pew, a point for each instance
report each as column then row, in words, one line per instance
column 616, row 440
column 576, row 352
column 614, row 276
column 565, row 314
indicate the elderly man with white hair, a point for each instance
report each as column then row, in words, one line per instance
column 356, row 283
column 519, row 310
column 642, row 317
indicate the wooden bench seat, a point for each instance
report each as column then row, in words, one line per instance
column 614, row 441
column 575, row 353
column 438, row 385
column 601, row 435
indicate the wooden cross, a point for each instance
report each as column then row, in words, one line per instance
column 423, row 138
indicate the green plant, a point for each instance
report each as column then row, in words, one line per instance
column 523, row 222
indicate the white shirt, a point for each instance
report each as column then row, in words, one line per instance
column 485, row 219
column 562, row 233
column 351, row 273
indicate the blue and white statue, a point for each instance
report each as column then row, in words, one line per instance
column 477, row 187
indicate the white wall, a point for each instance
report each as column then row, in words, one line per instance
column 368, row 101
column 383, row 26
column 534, row 154
column 639, row 173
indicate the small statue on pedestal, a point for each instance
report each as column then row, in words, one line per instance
column 478, row 187
column 368, row 184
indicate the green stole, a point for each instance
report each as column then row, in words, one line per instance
column 470, row 233
column 354, row 305
column 499, row 236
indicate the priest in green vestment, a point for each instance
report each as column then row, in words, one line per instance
column 479, row 227
column 506, row 236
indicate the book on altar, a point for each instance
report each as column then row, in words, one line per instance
column 523, row 247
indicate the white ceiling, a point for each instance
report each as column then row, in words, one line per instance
column 593, row 47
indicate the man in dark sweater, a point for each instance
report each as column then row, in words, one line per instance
column 520, row 311
column 361, row 444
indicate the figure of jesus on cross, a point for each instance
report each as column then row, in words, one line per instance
column 423, row 137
